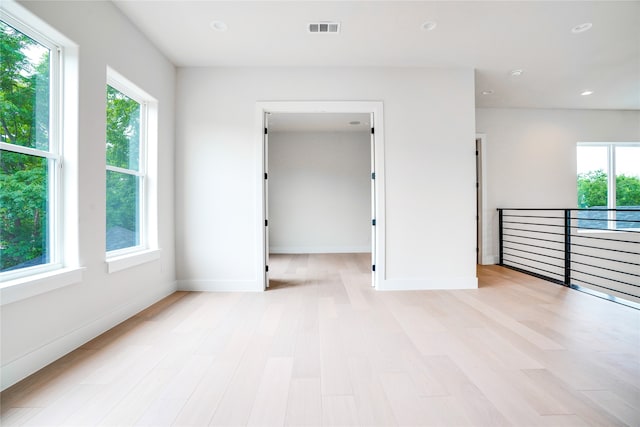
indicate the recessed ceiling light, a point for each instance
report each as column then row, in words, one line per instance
column 487, row 92
column 218, row 26
column 587, row 93
column 516, row 73
column 582, row 28
column 354, row 123
column 429, row 25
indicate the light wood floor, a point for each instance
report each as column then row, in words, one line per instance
column 321, row 347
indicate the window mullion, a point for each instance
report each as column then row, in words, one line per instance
column 125, row 171
column 29, row 151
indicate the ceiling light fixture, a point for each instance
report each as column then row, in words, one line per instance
column 587, row 93
column 582, row 28
column 518, row 72
column 487, row 92
column 218, row 26
column 429, row 25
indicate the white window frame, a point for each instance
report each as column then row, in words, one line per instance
column 611, row 178
column 147, row 249
column 64, row 267
column 53, row 155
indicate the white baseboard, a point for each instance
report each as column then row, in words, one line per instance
column 429, row 283
column 319, row 249
column 18, row 369
column 219, row 286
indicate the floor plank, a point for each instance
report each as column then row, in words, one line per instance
column 322, row 347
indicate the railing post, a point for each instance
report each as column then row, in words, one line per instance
column 567, row 247
column 501, row 249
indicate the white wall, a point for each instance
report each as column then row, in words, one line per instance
column 429, row 162
column 530, row 155
column 319, row 192
column 40, row 329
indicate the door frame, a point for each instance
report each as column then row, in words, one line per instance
column 367, row 107
column 482, row 227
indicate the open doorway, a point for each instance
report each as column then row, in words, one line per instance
column 292, row 137
column 319, row 194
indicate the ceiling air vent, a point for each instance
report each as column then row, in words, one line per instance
column 324, row 27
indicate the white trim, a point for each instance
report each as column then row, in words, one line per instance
column 220, row 285
column 30, row 286
column 611, row 175
column 132, row 259
column 375, row 107
column 319, row 249
column 428, row 284
column 485, row 214
column 18, row 369
column 40, row 32
column 147, row 201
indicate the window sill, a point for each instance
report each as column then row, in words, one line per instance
column 123, row 262
column 30, row 286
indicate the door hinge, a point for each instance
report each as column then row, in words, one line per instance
column 477, row 152
column 373, row 131
column 373, row 222
column 266, row 222
column 266, row 268
column 266, row 131
column 266, row 176
column 373, row 267
column 373, row 175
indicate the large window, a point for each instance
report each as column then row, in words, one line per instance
column 30, row 159
column 126, row 168
column 609, row 178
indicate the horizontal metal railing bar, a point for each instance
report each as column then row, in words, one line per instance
column 577, row 227
column 569, row 209
column 533, row 231
column 604, row 287
column 534, row 260
column 573, row 261
column 603, row 238
column 533, row 223
column 604, row 249
column 605, row 259
column 605, row 278
column 534, row 238
column 534, row 246
column 575, row 244
column 536, row 268
column 534, row 253
column 573, row 217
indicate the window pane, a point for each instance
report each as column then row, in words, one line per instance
column 24, row 90
column 123, row 216
column 123, row 130
column 24, row 231
column 628, row 185
column 592, row 186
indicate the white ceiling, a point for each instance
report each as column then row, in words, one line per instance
column 319, row 122
column 491, row 37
